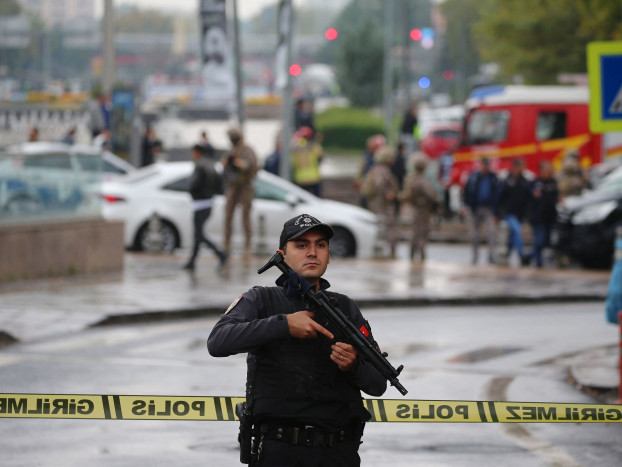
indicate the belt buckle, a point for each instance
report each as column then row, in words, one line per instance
column 309, row 435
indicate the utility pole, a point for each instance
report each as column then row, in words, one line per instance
column 109, row 56
column 285, row 33
column 405, row 34
column 238, row 66
column 387, row 82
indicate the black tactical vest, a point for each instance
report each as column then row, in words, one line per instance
column 299, row 369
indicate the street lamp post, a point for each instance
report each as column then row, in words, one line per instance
column 238, row 66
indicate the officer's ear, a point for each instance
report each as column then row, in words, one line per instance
column 283, row 251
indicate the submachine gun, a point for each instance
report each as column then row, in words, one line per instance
column 352, row 335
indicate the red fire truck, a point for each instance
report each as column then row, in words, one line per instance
column 534, row 123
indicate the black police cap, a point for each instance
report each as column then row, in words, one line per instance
column 298, row 225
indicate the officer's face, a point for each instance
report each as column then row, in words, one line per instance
column 308, row 255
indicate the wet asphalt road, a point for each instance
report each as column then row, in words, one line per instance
column 518, row 353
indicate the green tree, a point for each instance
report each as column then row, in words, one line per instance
column 539, row 39
column 359, row 61
column 9, row 8
column 600, row 19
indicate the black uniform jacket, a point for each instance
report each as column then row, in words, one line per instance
column 295, row 379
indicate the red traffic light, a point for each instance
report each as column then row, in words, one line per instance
column 331, row 34
column 295, row 69
column 416, row 34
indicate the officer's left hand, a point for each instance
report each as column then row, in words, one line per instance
column 344, row 355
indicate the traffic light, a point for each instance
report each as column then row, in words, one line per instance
column 295, row 69
column 331, row 34
column 448, row 75
column 416, row 34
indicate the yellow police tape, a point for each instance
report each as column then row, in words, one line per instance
column 208, row 408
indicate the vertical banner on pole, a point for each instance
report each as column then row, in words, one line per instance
column 216, row 56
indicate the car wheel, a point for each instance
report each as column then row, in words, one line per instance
column 21, row 204
column 157, row 238
column 342, row 244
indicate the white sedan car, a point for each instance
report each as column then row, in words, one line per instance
column 157, row 211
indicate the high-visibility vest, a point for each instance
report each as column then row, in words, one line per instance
column 306, row 164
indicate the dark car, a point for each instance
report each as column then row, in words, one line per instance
column 586, row 224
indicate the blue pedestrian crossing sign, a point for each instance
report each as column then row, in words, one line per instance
column 604, row 66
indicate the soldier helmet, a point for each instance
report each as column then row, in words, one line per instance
column 384, row 155
column 234, row 134
column 420, row 163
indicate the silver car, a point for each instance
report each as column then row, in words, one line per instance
column 48, row 177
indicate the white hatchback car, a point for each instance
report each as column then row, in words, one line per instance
column 161, row 189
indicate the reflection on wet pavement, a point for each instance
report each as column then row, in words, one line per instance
column 485, row 353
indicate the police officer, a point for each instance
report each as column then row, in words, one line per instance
column 303, row 386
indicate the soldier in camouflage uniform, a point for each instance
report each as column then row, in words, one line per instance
column 380, row 188
column 240, row 167
column 424, row 200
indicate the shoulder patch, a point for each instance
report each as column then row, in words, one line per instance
column 232, row 306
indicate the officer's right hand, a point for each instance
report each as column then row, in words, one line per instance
column 302, row 326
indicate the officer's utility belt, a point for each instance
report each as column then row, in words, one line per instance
column 306, row 435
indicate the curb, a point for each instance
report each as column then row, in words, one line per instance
column 200, row 312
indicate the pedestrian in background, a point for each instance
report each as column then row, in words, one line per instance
column 33, row 134
column 445, row 164
column 146, row 148
column 514, row 196
column 303, row 114
column 70, row 136
column 380, row 188
column 398, row 168
column 542, row 211
column 273, row 161
column 424, row 200
column 96, row 121
column 409, row 127
column 304, row 385
column 372, row 144
column 480, row 198
column 306, row 156
column 205, row 182
column 240, row 167
column 572, row 181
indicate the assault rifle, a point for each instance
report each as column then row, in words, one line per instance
column 352, row 335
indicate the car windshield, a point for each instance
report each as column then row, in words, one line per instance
column 267, row 190
column 485, row 126
column 612, row 182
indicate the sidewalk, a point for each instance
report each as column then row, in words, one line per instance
column 153, row 287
